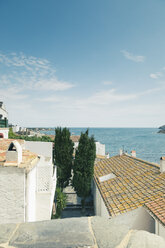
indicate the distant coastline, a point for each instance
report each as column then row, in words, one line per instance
column 162, row 129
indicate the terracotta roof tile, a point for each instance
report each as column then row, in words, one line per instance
column 157, row 209
column 136, row 183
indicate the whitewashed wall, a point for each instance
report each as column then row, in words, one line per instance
column 31, row 184
column 12, row 195
column 44, row 201
column 160, row 229
column 100, row 149
column 99, row 206
column 3, row 112
column 41, row 148
column 46, row 185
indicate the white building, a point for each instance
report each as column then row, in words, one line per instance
column 122, row 185
column 100, row 148
column 3, row 111
column 3, row 122
column 156, row 210
column 16, row 129
column 27, row 181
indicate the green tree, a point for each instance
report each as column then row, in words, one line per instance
column 11, row 134
column 60, row 199
column 83, row 168
column 44, row 138
column 63, row 153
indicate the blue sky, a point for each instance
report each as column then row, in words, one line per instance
column 83, row 63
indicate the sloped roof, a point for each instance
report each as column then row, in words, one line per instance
column 75, row 138
column 136, row 182
column 157, row 209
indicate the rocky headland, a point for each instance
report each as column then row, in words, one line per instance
column 162, row 129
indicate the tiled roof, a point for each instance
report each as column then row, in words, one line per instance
column 157, row 209
column 136, row 183
column 29, row 159
column 75, row 138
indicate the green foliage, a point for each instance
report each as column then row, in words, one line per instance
column 61, row 199
column 28, row 138
column 11, row 134
column 83, row 168
column 63, row 152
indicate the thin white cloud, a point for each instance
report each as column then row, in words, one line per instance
column 30, row 73
column 108, row 97
column 11, row 93
column 107, row 82
column 130, row 56
column 155, row 75
column 53, row 84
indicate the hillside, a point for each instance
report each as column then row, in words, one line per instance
column 162, row 129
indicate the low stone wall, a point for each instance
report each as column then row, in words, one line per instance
column 85, row 232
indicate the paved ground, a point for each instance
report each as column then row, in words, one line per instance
column 70, row 213
column 85, row 232
column 73, row 208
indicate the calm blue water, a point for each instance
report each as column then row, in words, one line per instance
column 148, row 144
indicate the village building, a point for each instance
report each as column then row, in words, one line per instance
column 122, row 185
column 27, row 181
column 100, row 148
column 3, row 121
column 156, row 209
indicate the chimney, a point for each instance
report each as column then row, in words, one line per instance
column 107, row 155
column 162, row 164
column 14, row 152
column 133, row 154
column 120, row 152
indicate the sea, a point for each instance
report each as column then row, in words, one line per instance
column 147, row 142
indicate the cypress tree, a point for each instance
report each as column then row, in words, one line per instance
column 83, row 168
column 63, row 152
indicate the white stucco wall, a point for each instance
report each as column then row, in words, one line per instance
column 3, row 112
column 100, row 149
column 44, row 202
column 99, row 205
column 160, row 229
column 31, row 184
column 45, row 190
column 12, row 195
column 41, row 148
column 40, row 190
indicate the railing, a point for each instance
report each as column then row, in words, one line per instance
column 4, row 123
column 44, row 179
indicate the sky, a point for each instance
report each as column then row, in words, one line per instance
column 83, row 63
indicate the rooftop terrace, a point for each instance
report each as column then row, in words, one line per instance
column 85, row 232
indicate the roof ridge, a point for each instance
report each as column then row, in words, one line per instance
column 142, row 160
